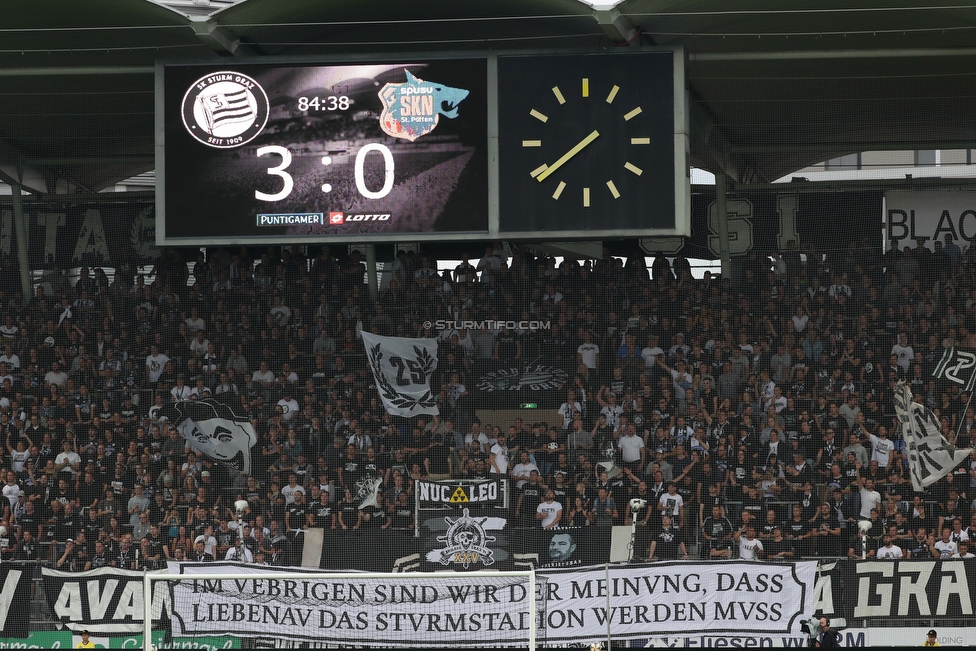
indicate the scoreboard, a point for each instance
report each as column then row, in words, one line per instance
column 421, row 147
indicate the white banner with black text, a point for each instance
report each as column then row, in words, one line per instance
column 736, row 598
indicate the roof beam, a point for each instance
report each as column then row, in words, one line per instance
column 219, row 39
column 618, row 28
column 798, row 55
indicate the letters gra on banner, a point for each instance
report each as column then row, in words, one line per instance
column 892, row 589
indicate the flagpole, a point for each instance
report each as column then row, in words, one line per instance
column 962, row 418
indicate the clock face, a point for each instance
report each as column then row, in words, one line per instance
column 586, row 142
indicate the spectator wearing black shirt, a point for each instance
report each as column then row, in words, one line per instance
column 777, row 546
column 530, row 496
column 826, row 532
column 799, row 531
column 667, row 544
column 717, row 532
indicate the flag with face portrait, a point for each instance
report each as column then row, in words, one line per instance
column 214, row 430
column 402, row 368
column 930, row 456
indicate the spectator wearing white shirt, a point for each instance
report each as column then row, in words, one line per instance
column 263, row 376
column 550, row 512
column 68, row 461
column 288, row 492
column 904, row 352
column 944, row 547
column 10, row 358
column 651, row 352
column 750, row 547
column 181, row 391
column 889, row 550
column 499, row 456
column 962, row 550
column 881, row 447
column 522, row 470
column 588, row 353
column 570, row 408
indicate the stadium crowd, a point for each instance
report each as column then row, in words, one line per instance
column 752, row 414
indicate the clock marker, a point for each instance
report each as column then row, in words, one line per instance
column 531, row 143
column 613, row 190
column 559, row 190
column 539, row 170
column 630, row 167
column 640, row 141
column 586, row 86
column 586, row 197
column 613, row 94
column 559, row 95
column 541, row 117
column 633, row 114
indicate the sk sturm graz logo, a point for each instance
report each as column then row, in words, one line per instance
column 537, row 377
column 465, row 540
column 225, row 109
column 413, row 108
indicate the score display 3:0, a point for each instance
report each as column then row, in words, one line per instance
column 345, row 137
column 288, row 183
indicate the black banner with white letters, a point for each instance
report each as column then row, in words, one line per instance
column 931, row 589
column 765, row 221
column 73, row 234
column 478, row 493
column 15, row 582
column 105, row 600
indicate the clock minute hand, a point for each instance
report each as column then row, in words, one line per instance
column 569, row 154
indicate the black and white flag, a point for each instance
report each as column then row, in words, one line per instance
column 402, row 368
column 930, row 456
column 957, row 366
column 226, row 108
column 213, row 429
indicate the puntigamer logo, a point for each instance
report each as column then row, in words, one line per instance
column 225, row 109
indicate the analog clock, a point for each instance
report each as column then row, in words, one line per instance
column 586, row 143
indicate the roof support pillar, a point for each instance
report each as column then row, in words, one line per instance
column 20, row 224
column 721, row 209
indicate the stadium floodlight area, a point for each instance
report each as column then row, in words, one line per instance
column 398, row 610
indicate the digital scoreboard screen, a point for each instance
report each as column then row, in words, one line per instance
column 264, row 152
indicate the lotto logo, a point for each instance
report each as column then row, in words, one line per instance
column 337, row 218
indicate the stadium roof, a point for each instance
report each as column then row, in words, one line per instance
column 773, row 86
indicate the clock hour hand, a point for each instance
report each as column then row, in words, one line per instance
column 569, row 154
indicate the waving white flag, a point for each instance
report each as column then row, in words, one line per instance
column 930, row 456
column 402, row 368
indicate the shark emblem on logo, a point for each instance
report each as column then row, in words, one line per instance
column 413, row 108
